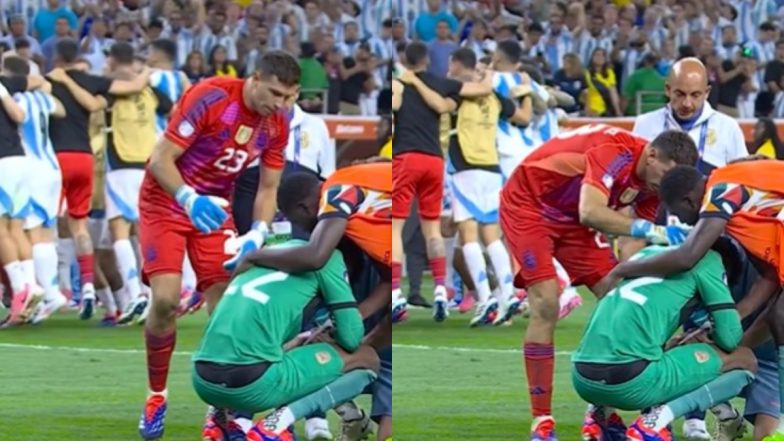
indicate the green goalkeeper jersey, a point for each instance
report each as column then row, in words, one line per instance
column 636, row 319
column 262, row 310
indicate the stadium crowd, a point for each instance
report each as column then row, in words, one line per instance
column 495, row 197
column 98, row 95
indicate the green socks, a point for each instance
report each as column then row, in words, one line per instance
column 720, row 390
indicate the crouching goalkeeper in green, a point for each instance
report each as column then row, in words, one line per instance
column 622, row 362
column 250, row 357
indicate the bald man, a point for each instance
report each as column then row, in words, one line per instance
column 719, row 140
column 718, row 137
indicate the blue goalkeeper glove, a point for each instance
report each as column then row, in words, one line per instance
column 659, row 235
column 248, row 243
column 207, row 213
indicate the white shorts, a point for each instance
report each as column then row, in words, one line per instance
column 45, row 192
column 508, row 165
column 122, row 194
column 476, row 195
column 15, row 187
column 447, row 200
column 99, row 233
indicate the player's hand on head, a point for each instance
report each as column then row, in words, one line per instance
column 674, row 234
column 247, row 244
column 605, row 285
column 207, row 213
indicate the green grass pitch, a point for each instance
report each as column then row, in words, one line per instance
column 454, row 383
column 70, row 380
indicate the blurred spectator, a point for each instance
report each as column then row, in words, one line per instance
column 591, row 38
column 427, row 22
column 350, row 41
column 312, row 80
column 602, row 96
column 729, row 43
column 24, row 52
column 644, row 90
column 479, row 41
column 215, row 35
column 557, row 42
column 571, row 79
column 333, row 64
column 733, row 76
column 766, row 140
column 315, row 18
column 356, row 75
column 667, row 57
column 44, row 24
column 96, row 44
column 195, row 67
column 61, row 31
column 774, row 71
column 440, row 49
column 219, row 64
column 17, row 30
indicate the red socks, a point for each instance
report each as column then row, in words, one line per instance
column 539, row 358
column 86, row 268
column 159, row 352
column 438, row 268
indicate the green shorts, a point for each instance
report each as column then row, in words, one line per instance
column 301, row 372
column 679, row 371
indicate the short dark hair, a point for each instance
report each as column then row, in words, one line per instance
column 307, row 50
column 767, row 26
column 678, row 182
column 416, row 53
column 465, row 56
column 67, row 49
column 677, row 146
column 511, row 50
column 16, row 66
column 22, row 43
column 295, row 188
column 281, row 65
column 165, row 46
column 122, row 53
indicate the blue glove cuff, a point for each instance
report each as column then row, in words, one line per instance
column 640, row 228
column 183, row 194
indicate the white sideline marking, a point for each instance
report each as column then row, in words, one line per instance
column 460, row 349
column 77, row 349
column 187, row 353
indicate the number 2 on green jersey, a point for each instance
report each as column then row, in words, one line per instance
column 251, row 289
column 628, row 290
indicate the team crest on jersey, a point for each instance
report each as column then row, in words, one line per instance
column 629, row 195
column 185, row 129
column 243, row 135
column 711, row 137
column 702, row 357
column 323, row 357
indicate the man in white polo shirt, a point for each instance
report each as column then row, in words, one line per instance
column 718, row 137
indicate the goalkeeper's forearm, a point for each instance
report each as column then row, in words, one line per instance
column 727, row 330
column 349, row 329
column 164, row 168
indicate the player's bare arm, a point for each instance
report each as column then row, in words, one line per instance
column 595, row 213
column 524, row 113
column 433, row 99
column 35, row 82
column 309, row 257
column 14, row 110
column 380, row 337
column 163, row 168
column 477, row 89
column 699, row 241
column 59, row 109
column 124, row 87
column 264, row 206
column 760, row 293
column 377, row 300
column 90, row 102
column 397, row 95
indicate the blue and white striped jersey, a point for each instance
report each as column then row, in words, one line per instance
column 34, row 131
column 171, row 84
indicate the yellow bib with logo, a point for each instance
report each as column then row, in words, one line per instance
column 477, row 124
column 133, row 126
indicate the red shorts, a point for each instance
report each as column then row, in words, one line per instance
column 417, row 175
column 533, row 242
column 77, row 170
column 164, row 239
